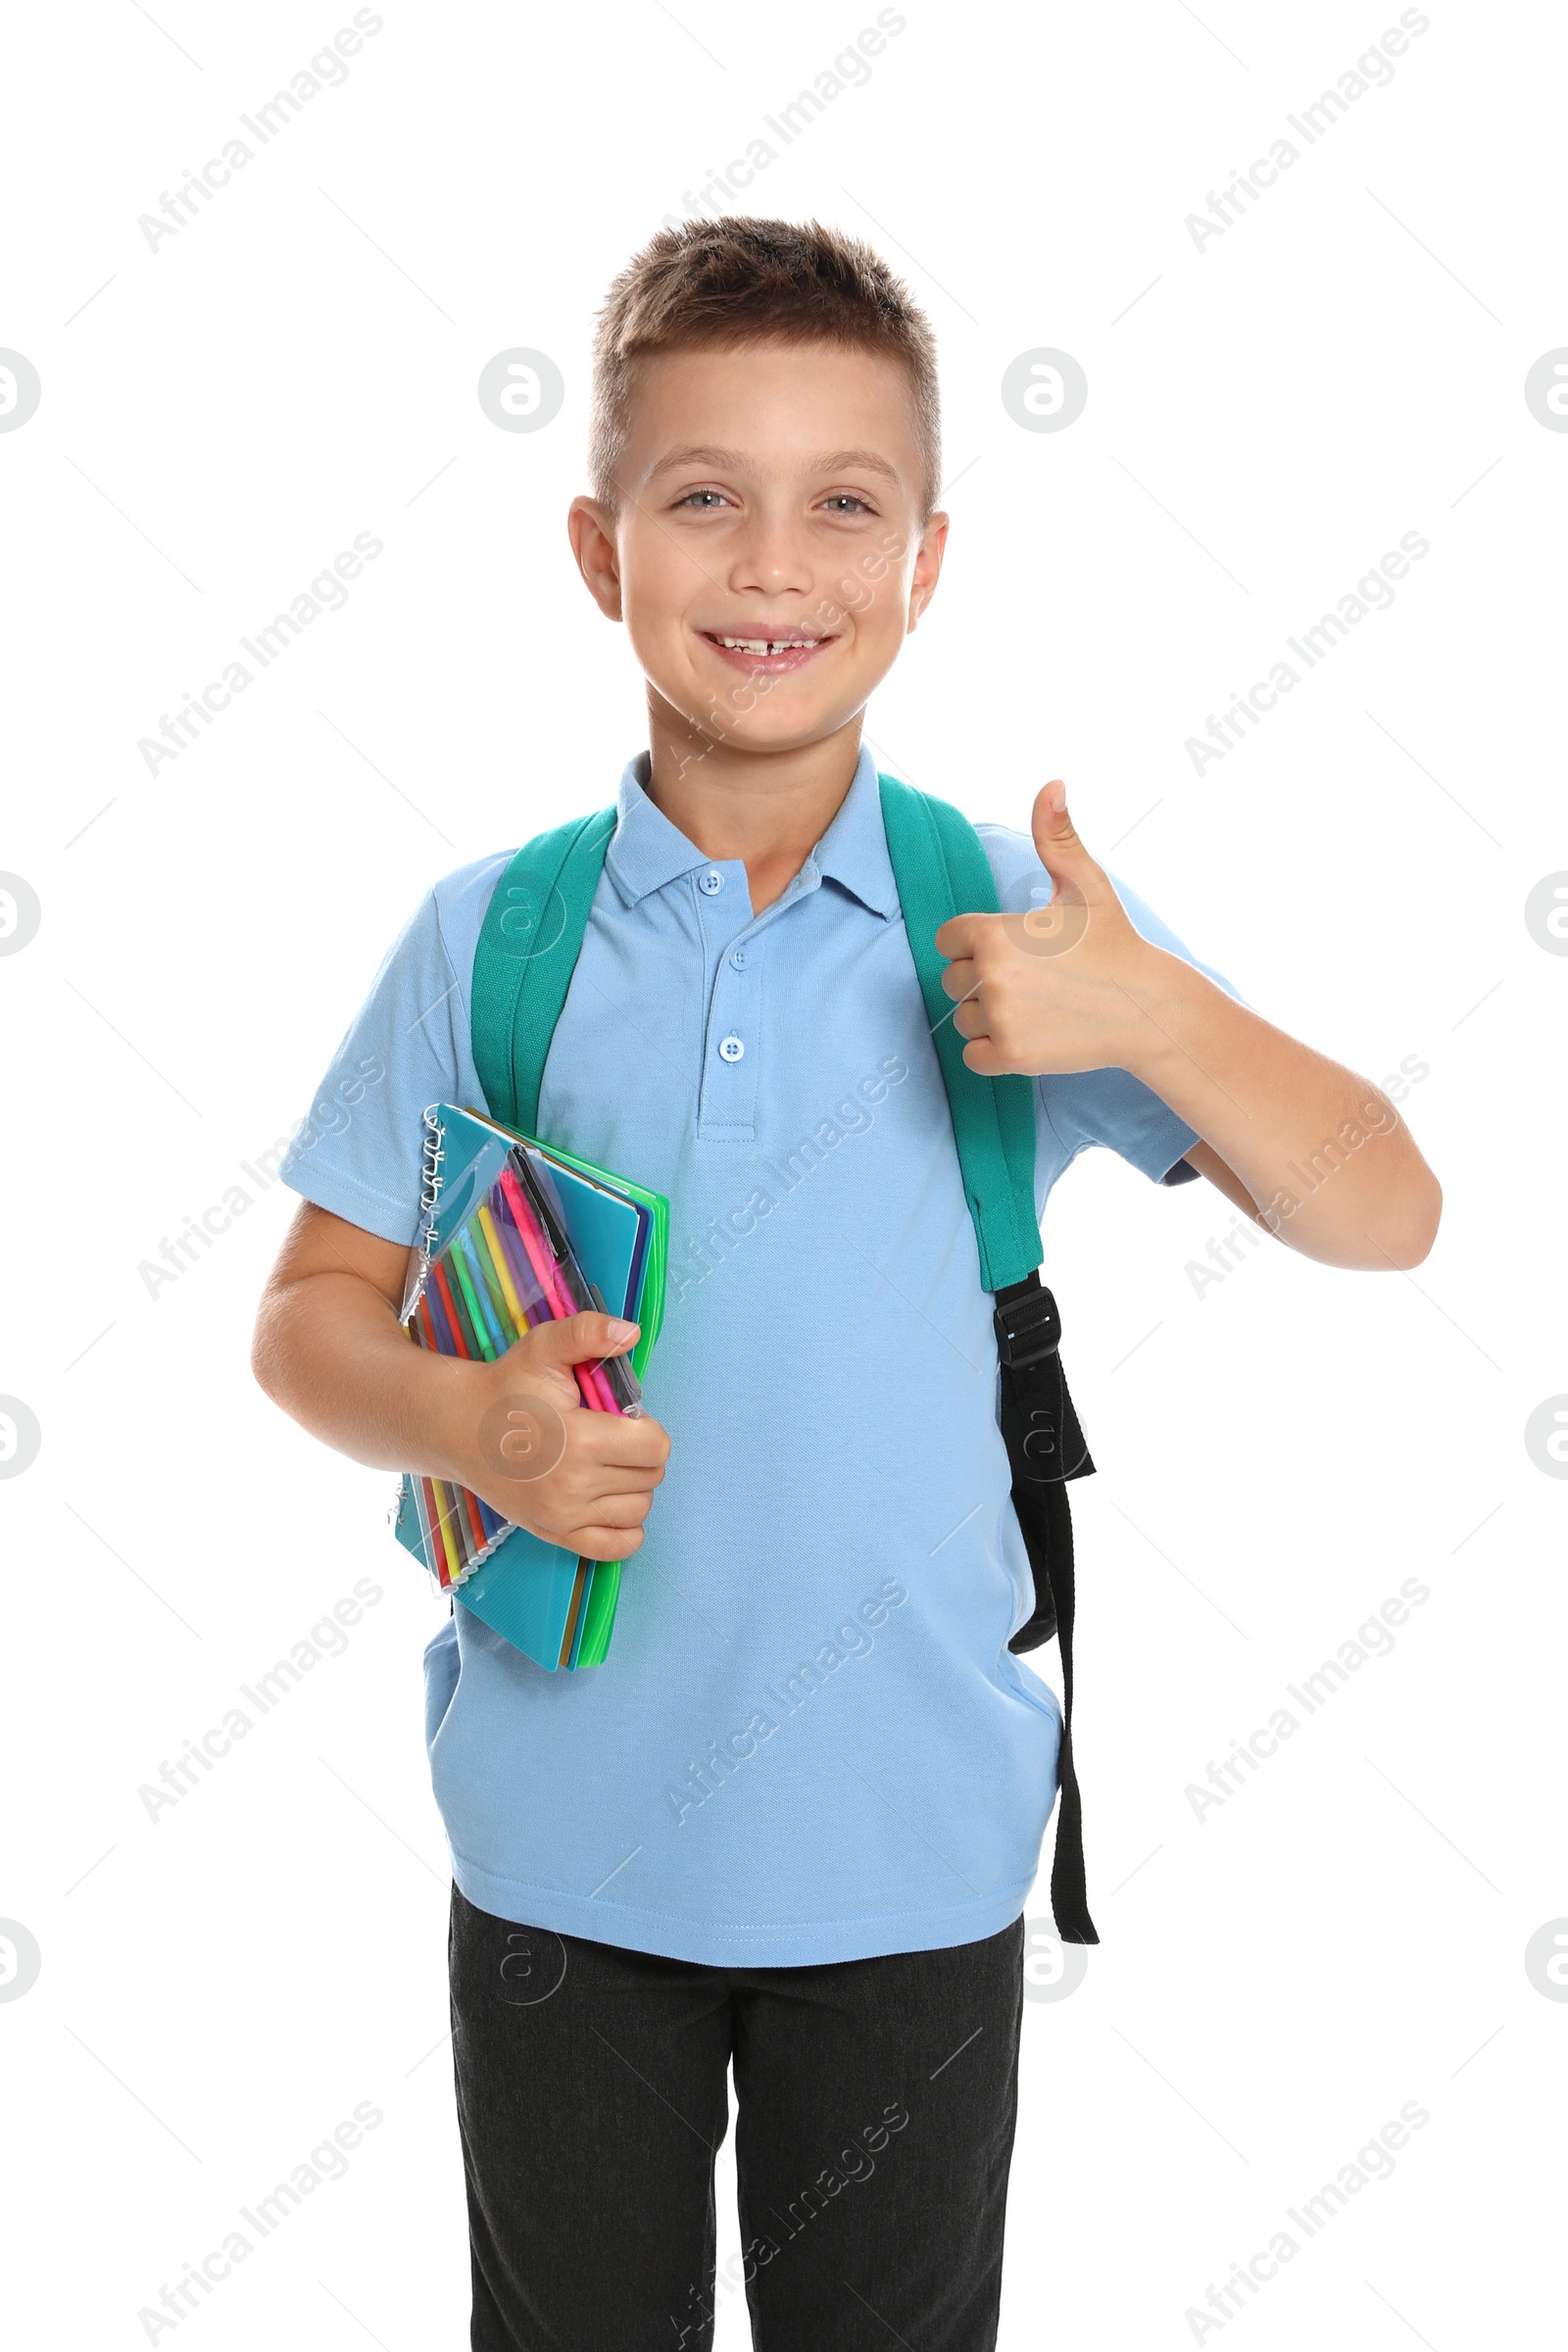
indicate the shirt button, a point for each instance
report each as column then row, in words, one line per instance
column 738, row 958
column 713, row 882
column 730, row 1049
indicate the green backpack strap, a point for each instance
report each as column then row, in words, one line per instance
column 529, row 947
column 940, row 868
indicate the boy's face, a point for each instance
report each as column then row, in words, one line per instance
column 770, row 495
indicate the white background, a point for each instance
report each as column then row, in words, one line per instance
column 1266, row 416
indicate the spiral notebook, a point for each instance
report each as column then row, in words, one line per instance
column 513, row 1232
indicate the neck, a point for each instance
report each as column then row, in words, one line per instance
column 768, row 809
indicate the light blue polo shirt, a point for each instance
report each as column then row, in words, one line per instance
column 809, row 1741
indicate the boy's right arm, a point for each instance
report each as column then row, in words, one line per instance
column 329, row 1349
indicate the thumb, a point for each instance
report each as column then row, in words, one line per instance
column 575, row 1340
column 1062, row 854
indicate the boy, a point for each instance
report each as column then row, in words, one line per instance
column 793, row 1821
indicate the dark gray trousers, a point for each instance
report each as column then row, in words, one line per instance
column 875, row 2109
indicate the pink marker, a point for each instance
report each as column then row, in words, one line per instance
column 596, row 1389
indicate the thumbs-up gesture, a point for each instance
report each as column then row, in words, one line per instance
column 1061, row 988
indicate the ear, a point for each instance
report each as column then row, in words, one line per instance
column 591, row 528
column 927, row 568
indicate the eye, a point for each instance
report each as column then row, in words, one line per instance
column 697, row 497
column 843, row 501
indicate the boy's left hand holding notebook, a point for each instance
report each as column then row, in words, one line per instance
column 330, row 1350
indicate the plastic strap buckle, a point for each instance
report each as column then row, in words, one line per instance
column 1028, row 1324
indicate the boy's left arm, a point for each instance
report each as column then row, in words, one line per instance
column 1314, row 1154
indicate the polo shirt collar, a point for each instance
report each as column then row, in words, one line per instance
column 854, row 851
column 647, row 852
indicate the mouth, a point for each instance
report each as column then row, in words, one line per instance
column 764, row 656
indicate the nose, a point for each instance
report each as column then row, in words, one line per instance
column 770, row 557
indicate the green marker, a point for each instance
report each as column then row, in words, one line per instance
column 454, row 1260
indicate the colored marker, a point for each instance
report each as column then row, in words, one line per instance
column 445, row 1344
column 459, row 1301
column 459, row 1336
column 471, row 1503
column 434, row 1549
column 425, row 1324
column 535, row 1229
column 574, row 1294
column 503, row 1272
column 458, row 1523
column 463, row 1307
column 482, row 1283
column 429, row 1512
column 525, row 1274
column 533, row 1241
column 487, row 1283
column 594, row 1394
column 478, row 1321
column 491, row 1521
column 449, row 1542
column 536, row 1306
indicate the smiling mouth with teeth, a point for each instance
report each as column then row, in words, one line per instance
column 765, row 648
column 764, row 645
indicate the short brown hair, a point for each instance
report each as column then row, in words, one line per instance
column 726, row 283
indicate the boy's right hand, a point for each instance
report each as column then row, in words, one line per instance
column 522, row 1439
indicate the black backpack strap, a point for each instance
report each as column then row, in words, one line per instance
column 1046, row 1447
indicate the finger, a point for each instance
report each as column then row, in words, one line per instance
column 1074, row 872
column 619, row 1510
column 959, row 934
column 982, row 1055
column 574, row 1339
column 604, row 1543
column 624, row 1440
column 597, row 1479
column 531, row 1377
column 962, row 975
column 970, row 1020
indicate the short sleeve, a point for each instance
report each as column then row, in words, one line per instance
column 1108, row 1108
column 358, row 1150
